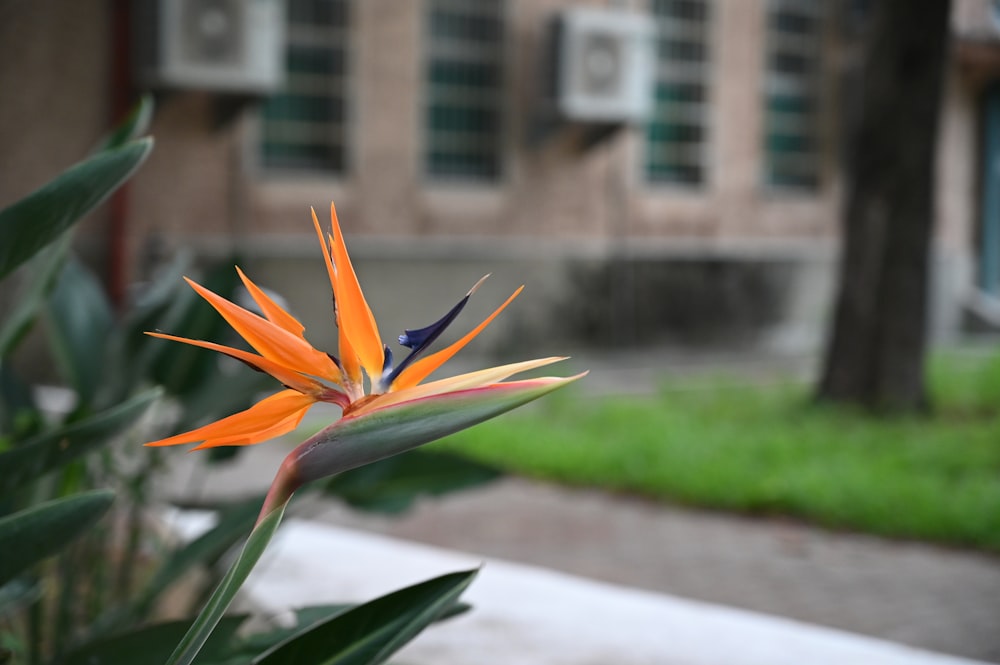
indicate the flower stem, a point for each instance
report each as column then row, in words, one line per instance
column 285, row 482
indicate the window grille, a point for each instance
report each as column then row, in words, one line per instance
column 793, row 79
column 464, row 84
column 303, row 127
column 677, row 133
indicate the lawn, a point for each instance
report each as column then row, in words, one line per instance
column 766, row 449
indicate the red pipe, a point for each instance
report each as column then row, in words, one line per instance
column 121, row 91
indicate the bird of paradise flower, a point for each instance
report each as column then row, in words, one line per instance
column 385, row 407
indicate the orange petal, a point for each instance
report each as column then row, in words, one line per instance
column 348, row 358
column 279, row 428
column 270, row 417
column 269, row 339
column 422, row 368
column 287, row 376
column 355, row 317
column 330, row 270
column 274, row 312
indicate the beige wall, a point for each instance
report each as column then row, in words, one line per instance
column 202, row 187
column 202, row 182
column 54, row 89
column 549, row 190
column 974, row 18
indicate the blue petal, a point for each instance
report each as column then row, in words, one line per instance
column 424, row 337
column 418, row 340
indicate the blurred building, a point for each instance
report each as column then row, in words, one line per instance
column 435, row 125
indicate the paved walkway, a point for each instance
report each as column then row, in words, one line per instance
column 920, row 595
column 526, row 615
column 916, row 594
column 935, row 598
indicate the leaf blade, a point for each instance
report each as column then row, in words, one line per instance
column 135, row 124
column 81, row 325
column 30, row 301
column 150, row 644
column 33, row 222
column 377, row 629
column 210, row 616
column 211, row 545
column 393, row 484
column 54, row 448
column 31, row 535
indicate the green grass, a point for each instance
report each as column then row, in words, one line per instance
column 736, row 446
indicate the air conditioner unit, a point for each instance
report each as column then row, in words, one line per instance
column 604, row 65
column 234, row 46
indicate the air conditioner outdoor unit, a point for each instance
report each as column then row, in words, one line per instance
column 234, row 46
column 604, row 65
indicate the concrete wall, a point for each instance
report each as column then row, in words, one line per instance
column 957, row 205
column 607, row 257
column 54, row 89
column 562, row 216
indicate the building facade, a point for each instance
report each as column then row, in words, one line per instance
column 430, row 124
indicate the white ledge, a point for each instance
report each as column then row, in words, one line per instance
column 531, row 616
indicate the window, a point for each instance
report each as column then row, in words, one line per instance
column 677, row 134
column 303, row 127
column 464, row 79
column 793, row 75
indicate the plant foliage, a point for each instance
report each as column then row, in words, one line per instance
column 67, row 595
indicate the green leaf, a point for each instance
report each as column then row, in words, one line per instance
column 39, row 283
column 136, row 124
column 369, row 634
column 80, row 326
column 224, row 594
column 184, row 369
column 36, row 220
column 31, row 535
column 306, row 617
column 152, row 644
column 392, row 485
column 374, row 435
column 20, row 416
column 155, row 299
column 234, row 523
column 255, row 644
column 130, row 352
column 57, row 447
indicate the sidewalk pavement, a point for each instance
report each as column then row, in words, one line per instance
column 531, row 616
column 924, row 596
column 917, row 594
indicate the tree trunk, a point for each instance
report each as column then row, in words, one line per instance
column 875, row 357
